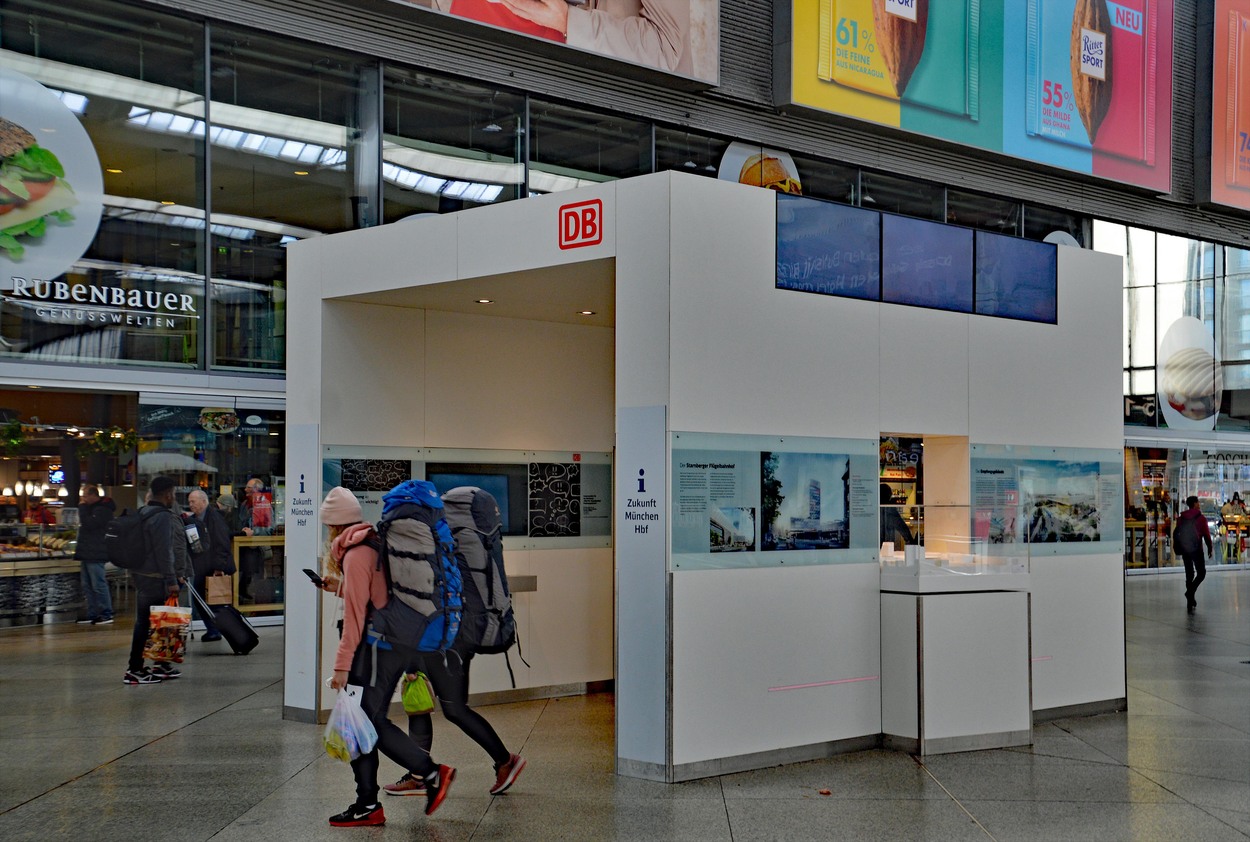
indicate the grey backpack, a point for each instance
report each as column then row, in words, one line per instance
column 488, row 622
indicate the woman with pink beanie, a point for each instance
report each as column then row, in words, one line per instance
column 354, row 559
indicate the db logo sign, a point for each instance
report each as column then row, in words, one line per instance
column 581, row 224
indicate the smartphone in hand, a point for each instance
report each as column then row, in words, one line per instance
column 316, row 580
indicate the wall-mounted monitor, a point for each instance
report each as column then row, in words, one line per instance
column 926, row 264
column 827, row 248
column 506, row 483
column 1016, row 278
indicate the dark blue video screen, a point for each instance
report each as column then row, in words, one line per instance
column 827, row 248
column 926, row 264
column 1017, row 278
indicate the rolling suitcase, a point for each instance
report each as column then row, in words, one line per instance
column 233, row 626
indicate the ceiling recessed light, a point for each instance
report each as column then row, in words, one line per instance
column 585, row 312
column 167, row 202
column 301, row 172
column 486, row 301
column 113, row 170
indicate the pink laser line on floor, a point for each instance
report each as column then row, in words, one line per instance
column 823, row 683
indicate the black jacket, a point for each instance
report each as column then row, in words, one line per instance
column 167, row 545
column 93, row 518
column 222, row 558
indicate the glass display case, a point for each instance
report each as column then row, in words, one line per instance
column 39, row 577
column 951, row 554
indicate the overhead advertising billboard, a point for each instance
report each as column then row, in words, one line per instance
column 1085, row 85
column 675, row 36
column 1230, row 105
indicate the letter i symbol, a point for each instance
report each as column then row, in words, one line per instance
column 642, row 481
column 301, row 483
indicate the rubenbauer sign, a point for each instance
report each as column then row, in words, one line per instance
column 675, row 36
column 1085, row 85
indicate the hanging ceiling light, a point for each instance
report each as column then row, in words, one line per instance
column 64, row 492
column 8, row 491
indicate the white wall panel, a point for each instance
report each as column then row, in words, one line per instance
column 371, row 394
column 1057, row 385
column 1078, row 630
column 516, row 384
column 642, row 291
column 410, row 252
column 747, row 357
column 565, row 627
column 924, row 371
column 515, row 236
column 738, row 633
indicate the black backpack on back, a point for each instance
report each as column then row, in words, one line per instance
column 1185, row 537
column 124, row 540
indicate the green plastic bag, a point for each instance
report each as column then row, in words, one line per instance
column 418, row 695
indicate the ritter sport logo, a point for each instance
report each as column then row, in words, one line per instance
column 581, row 224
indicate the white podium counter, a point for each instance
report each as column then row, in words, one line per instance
column 955, row 656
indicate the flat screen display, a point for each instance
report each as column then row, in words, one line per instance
column 926, row 264
column 506, row 483
column 827, row 248
column 1016, row 278
column 56, row 476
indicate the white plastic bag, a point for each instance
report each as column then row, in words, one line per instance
column 349, row 733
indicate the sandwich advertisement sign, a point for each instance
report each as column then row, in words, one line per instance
column 51, row 186
column 1085, row 85
column 681, row 37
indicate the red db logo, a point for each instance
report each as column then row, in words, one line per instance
column 581, row 224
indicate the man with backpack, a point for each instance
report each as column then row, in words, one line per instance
column 165, row 562
column 94, row 514
column 1187, row 539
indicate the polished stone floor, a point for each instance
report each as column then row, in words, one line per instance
column 83, row 757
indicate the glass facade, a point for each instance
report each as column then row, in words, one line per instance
column 1186, row 329
column 218, row 146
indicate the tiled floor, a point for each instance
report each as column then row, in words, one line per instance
column 83, row 757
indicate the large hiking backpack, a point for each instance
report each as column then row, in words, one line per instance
column 124, row 540
column 488, row 622
column 423, row 583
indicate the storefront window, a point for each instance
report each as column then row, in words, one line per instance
column 904, row 196
column 689, row 153
column 289, row 162
column 572, row 148
column 1002, row 216
column 1158, row 480
column 104, row 262
column 1040, row 222
column 827, row 180
column 448, row 145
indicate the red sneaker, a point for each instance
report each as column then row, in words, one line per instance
column 507, row 773
column 436, row 792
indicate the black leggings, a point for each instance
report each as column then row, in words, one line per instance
column 450, row 677
column 379, row 686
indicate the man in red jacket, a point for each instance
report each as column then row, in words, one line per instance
column 1187, row 539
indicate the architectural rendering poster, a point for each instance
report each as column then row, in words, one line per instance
column 676, row 36
column 1085, row 85
column 1061, row 501
column 1230, row 105
column 752, row 501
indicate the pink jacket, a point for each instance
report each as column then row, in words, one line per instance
column 363, row 584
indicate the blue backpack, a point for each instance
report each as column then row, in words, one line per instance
column 416, row 553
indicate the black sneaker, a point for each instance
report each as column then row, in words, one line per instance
column 209, row 637
column 103, row 621
column 86, row 622
column 139, row 676
column 359, row 815
column 436, row 787
column 165, row 671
